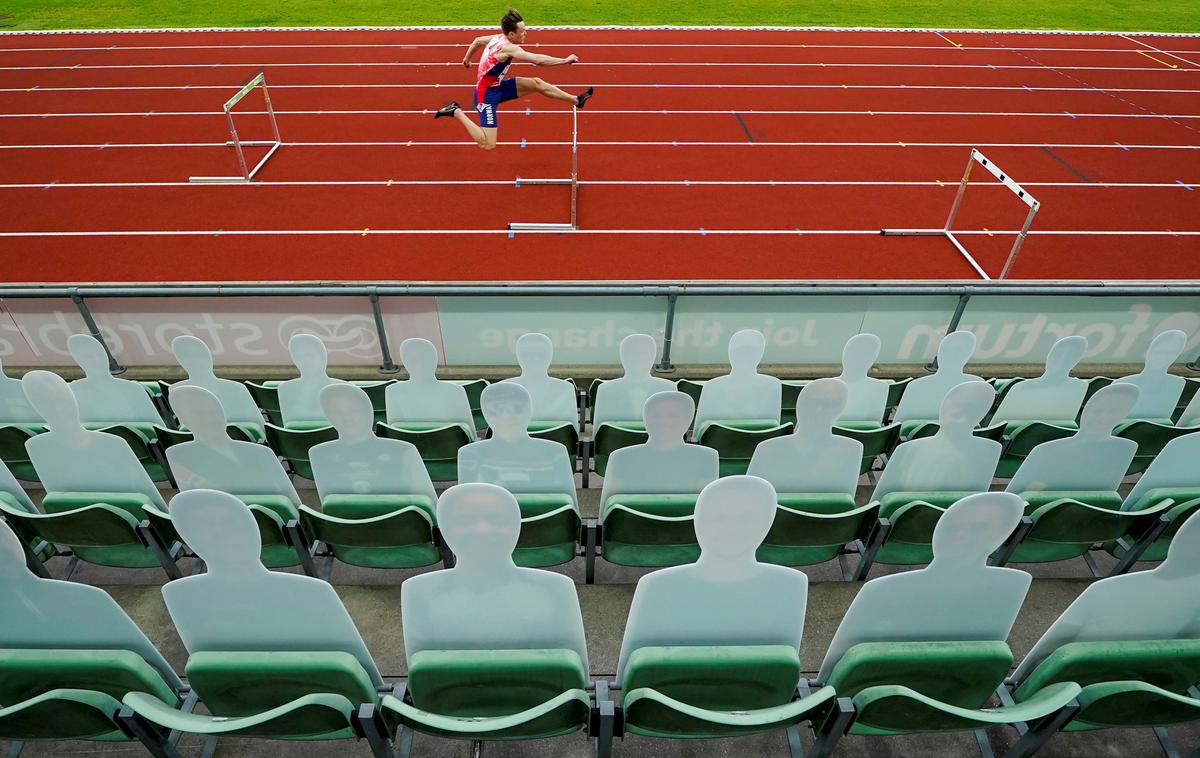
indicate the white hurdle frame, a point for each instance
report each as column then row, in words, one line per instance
column 237, row 143
column 573, row 181
column 948, row 233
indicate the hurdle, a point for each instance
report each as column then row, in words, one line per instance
column 573, row 182
column 258, row 80
column 947, row 231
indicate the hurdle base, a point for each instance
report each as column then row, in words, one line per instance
column 515, row 226
column 939, row 233
column 558, row 182
column 218, row 180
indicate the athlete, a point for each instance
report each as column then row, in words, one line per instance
column 492, row 88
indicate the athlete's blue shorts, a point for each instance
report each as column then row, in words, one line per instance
column 492, row 97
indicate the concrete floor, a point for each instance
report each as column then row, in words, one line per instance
column 373, row 599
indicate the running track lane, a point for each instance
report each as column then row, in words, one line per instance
column 899, row 60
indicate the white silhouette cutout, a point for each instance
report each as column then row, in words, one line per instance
column 953, row 459
column 665, row 464
column 70, row 458
column 299, row 398
column 1174, row 466
column 1091, row 459
column 727, row 597
column 424, row 399
column 620, row 401
column 486, row 602
column 867, row 396
column 358, row 462
column 197, row 360
column 215, row 461
column 1161, row 604
column 812, row 459
column 14, row 407
column 102, row 397
column 553, row 399
column 512, row 459
column 958, row 597
column 923, row 397
column 1158, row 391
column 238, row 605
column 1055, row 396
column 743, row 394
column 1191, row 414
column 49, row 614
column 10, row 486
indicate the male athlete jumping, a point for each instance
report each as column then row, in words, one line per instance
column 491, row 88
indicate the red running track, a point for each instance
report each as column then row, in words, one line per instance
column 716, row 154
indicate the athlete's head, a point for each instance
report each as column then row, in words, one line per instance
column 512, row 24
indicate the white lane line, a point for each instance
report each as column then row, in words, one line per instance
column 1164, row 52
column 552, row 143
column 952, row 87
column 621, row 64
column 631, row 112
column 601, row 183
column 573, row 45
column 697, row 232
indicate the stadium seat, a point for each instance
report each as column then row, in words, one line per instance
column 474, row 388
column 617, row 403
column 438, row 447
column 239, row 405
column 923, row 396
column 510, row 666
column 1159, row 391
column 13, row 452
column 564, row 434
column 876, row 442
column 554, row 401
column 299, row 403
column 609, row 438
column 266, row 397
column 424, row 402
column 169, row 437
column 743, row 399
column 1020, row 439
column 293, row 445
column 1151, row 437
column 736, row 440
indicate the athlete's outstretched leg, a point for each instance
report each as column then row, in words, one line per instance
column 526, row 85
column 485, row 138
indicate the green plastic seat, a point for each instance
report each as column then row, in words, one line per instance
column 13, row 453
column 52, row 694
column 1140, row 683
column 566, row 435
column 1021, row 437
column 704, row 692
column 1095, row 384
column 916, row 429
column 876, row 440
column 650, row 530
column 813, row 528
column 1184, row 501
column 592, row 390
column 549, row 530
column 1189, row 391
column 375, row 531
column 1152, row 435
column 141, row 440
column 474, row 390
column 103, row 528
column 311, row 695
column 895, row 392
column 787, row 406
column 272, row 513
column 168, row 438
column 912, row 687
column 1067, row 524
column 735, row 441
column 376, row 392
column 492, row 695
column 266, row 397
column 438, row 446
column 293, row 445
column 609, row 438
column 690, row 388
column 912, row 517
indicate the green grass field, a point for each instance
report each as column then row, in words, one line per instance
column 1114, row 15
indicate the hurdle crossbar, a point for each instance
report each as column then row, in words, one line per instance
column 572, row 181
column 258, row 80
column 948, row 232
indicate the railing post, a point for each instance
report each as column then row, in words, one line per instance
column 387, row 366
column 664, row 365
column 952, row 327
column 90, row 323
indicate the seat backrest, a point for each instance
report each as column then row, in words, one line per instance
column 1158, row 390
column 238, row 605
column 1171, row 664
column 1092, row 458
column 369, row 466
column 727, row 597
column 964, row 673
column 486, row 602
column 1174, row 466
column 743, row 393
column 1159, row 604
column 958, row 597
column 923, row 397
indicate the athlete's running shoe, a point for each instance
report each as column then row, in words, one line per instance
column 583, row 97
column 447, row 110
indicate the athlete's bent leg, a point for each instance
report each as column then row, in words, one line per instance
column 485, row 138
column 526, row 85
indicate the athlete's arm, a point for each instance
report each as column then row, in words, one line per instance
column 518, row 54
column 475, row 43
